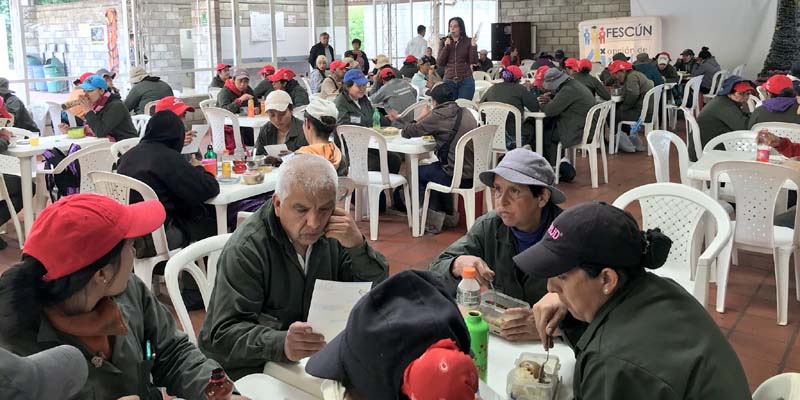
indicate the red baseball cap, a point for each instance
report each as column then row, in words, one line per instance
column 515, row 70
column 410, row 59
column 442, row 372
column 619, row 65
column 387, row 72
column 82, row 78
column 572, row 63
column 173, row 104
column 78, row 230
column 744, row 87
column 220, row 67
column 267, row 69
column 776, row 83
column 336, row 64
column 538, row 77
column 283, row 74
column 584, row 63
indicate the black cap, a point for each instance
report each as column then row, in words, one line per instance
column 390, row 327
column 426, row 60
column 559, row 54
column 688, row 52
column 587, row 234
column 620, row 57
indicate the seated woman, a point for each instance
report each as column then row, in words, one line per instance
column 235, row 96
column 525, row 201
column 89, row 299
column 635, row 335
column 319, row 124
column 780, row 105
column 283, row 79
column 318, row 73
column 105, row 113
column 283, row 127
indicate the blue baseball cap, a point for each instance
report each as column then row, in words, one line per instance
column 94, row 82
column 356, row 76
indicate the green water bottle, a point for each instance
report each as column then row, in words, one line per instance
column 376, row 119
column 210, row 153
column 479, row 341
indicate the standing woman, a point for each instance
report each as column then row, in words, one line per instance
column 89, row 299
column 457, row 55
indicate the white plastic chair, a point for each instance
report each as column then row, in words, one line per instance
column 299, row 112
column 739, row 70
column 716, row 84
column 39, row 112
column 493, row 72
column 149, row 107
column 678, row 211
column 414, row 109
column 357, row 140
column 307, row 83
column 753, row 102
column 591, row 142
column 481, row 76
column 762, row 93
column 216, row 120
column 467, row 104
column 186, row 261
column 692, row 89
column 95, row 157
column 496, row 114
column 140, row 123
column 122, row 147
column 208, row 103
column 781, row 129
column 213, row 93
column 744, row 141
column 526, row 65
column 481, row 139
column 55, row 115
column 480, row 89
column 756, row 186
column 119, row 187
column 784, row 386
column 660, row 142
column 692, row 131
column 653, row 95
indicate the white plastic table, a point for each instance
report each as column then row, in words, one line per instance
column 250, row 122
column 229, row 193
column 265, row 387
column 539, row 116
column 667, row 87
column 27, row 158
column 502, row 355
column 700, row 171
column 612, row 138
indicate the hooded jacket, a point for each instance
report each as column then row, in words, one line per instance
column 112, row 120
column 151, row 88
column 776, row 109
column 708, row 68
column 157, row 161
column 408, row 70
column 720, row 115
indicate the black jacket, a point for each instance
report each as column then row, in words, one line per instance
column 22, row 119
column 408, row 70
column 113, row 120
column 217, row 82
column 316, row 51
column 157, row 161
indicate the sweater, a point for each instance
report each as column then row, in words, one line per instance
column 113, row 120
column 152, row 88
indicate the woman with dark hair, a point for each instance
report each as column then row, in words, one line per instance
column 510, row 57
column 707, row 66
column 358, row 55
column 635, row 335
column 74, row 286
column 457, row 55
column 780, row 105
column 318, row 126
column 283, row 127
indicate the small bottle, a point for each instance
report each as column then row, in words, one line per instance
column 376, row 119
column 251, row 108
column 762, row 149
column 219, row 386
column 210, row 153
column 70, row 104
column 468, row 294
column 479, row 341
column 263, row 108
column 226, row 164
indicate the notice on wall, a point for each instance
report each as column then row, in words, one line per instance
column 600, row 39
column 261, row 27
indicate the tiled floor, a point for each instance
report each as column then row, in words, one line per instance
column 749, row 322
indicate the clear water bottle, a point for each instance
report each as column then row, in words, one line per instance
column 468, row 294
column 636, row 126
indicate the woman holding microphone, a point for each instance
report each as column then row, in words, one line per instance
column 457, row 55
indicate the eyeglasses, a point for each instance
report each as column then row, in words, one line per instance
column 513, row 193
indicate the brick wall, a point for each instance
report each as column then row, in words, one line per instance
column 557, row 20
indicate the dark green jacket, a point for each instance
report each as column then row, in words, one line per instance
column 570, row 104
column 720, row 115
column 516, row 95
column 268, row 136
column 352, row 114
column 227, row 99
column 260, row 290
column 653, row 340
column 634, row 88
column 762, row 114
column 298, row 93
column 494, row 243
column 179, row 365
column 217, row 82
column 595, row 86
column 22, row 118
column 150, row 89
column 263, row 89
column 113, row 120
column 669, row 74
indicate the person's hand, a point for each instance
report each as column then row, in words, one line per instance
column 485, row 274
column 393, row 115
column 474, row 41
column 302, row 342
column 548, row 313
column 189, row 137
column 195, row 162
column 520, row 325
column 768, row 138
column 448, row 41
column 85, row 103
column 527, row 85
column 5, row 134
column 544, row 99
column 284, row 152
column 245, row 97
column 63, row 128
column 129, row 398
column 342, row 227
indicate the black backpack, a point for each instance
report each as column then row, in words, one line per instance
column 66, row 183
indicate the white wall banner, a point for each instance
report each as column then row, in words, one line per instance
column 600, row 39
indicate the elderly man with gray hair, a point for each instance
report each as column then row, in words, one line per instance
column 268, row 268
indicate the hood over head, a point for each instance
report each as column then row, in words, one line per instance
column 165, row 128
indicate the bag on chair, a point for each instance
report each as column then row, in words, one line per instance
column 66, row 183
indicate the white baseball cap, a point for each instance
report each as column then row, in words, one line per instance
column 277, row 100
column 319, row 108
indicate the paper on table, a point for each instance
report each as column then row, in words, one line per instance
column 194, row 145
column 331, row 304
column 275, row 149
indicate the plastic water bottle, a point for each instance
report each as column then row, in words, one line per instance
column 376, row 119
column 479, row 341
column 636, row 126
column 468, row 294
column 762, row 149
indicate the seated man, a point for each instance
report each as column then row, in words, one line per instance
column 484, row 62
column 409, row 67
column 726, row 112
column 581, row 70
column 395, row 93
column 780, row 105
column 332, row 84
column 645, row 65
column 146, row 88
column 426, row 77
column 264, row 87
column 15, row 106
column 634, row 86
column 268, row 268
column 525, row 205
column 567, row 103
column 223, row 74
column 518, row 95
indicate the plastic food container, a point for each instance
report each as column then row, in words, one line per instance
column 75, row 133
column 253, row 177
column 521, row 384
column 493, row 306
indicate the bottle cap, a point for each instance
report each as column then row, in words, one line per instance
column 469, row 273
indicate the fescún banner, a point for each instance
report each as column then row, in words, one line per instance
column 600, row 39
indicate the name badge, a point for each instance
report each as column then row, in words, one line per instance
column 355, row 119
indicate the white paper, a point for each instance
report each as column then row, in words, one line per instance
column 275, row 149
column 194, row 145
column 331, row 304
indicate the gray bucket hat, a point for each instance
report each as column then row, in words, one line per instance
column 553, row 78
column 4, row 86
column 524, row 167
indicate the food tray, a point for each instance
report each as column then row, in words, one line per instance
column 520, row 386
column 493, row 306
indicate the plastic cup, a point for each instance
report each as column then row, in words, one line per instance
column 210, row 165
column 239, row 166
column 34, row 141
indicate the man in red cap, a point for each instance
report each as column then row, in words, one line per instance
column 283, row 79
column 264, row 87
column 409, row 67
column 634, row 86
column 223, row 73
column 511, row 92
column 332, row 84
column 583, row 75
column 180, row 108
column 726, row 112
column 781, row 102
column 395, row 94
